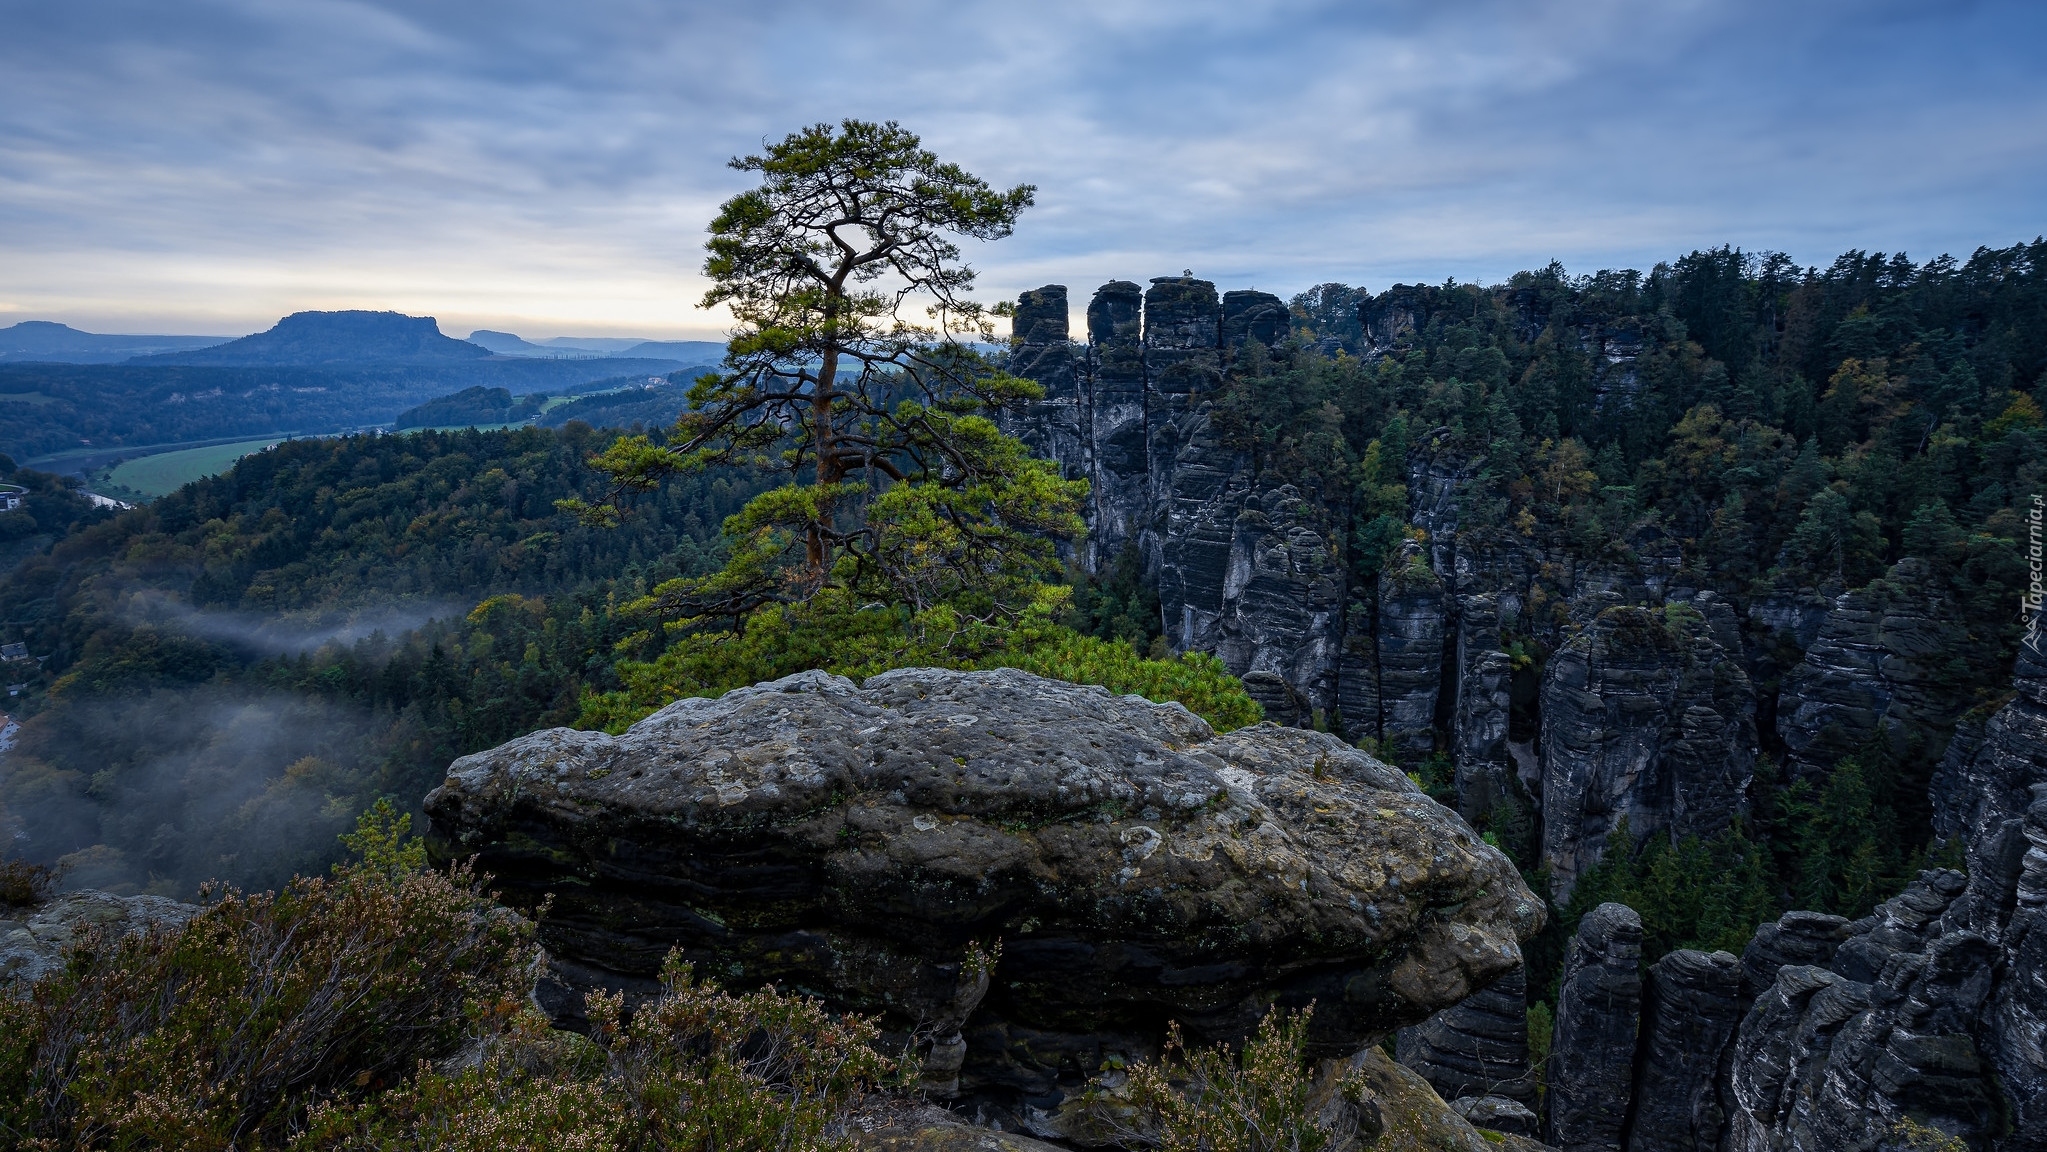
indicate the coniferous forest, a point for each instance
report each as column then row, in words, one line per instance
column 1795, row 429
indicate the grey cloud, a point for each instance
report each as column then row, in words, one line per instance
column 526, row 162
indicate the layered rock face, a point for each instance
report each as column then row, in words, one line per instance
column 1874, row 671
column 1282, row 604
column 1599, row 1012
column 1182, row 360
column 1478, row 1048
column 1646, row 719
column 1245, row 570
column 1253, row 316
column 1057, row 426
column 1487, row 786
column 873, row 844
column 1691, row 1005
column 1391, row 669
column 1116, row 462
column 1930, row 1013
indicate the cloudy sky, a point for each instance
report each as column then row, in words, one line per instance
column 208, row 165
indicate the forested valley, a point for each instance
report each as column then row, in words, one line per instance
column 228, row 676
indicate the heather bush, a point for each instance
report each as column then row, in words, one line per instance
column 24, row 883
column 1261, row 1097
column 694, row 1069
column 222, row 1034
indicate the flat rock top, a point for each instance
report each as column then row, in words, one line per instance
column 983, row 744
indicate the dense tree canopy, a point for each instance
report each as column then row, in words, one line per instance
column 899, row 486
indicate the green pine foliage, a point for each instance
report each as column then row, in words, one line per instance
column 1116, row 604
column 838, row 634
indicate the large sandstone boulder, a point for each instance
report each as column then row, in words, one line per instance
column 1031, row 875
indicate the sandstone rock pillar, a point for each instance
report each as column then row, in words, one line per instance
column 1690, row 1009
column 1116, row 418
column 1592, row 1054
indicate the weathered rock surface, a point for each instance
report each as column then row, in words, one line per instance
column 33, row 939
column 1392, row 669
column 1646, row 719
column 1253, row 316
column 1057, row 426
column 1477, row 1048
column 1282, row 604
column 1117, row 429
column 1690, row 1007
column 1417, row 1120
column 1808, row 938
column 856, row 842
column 933, row 1129
column 1488, row 791
column 1592, row 1052
column 1496, row 1114
column 1182, row 360
column 1875, row 669
column 1825, row 1060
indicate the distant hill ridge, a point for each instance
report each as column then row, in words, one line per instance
column 349, row 337
column 49, row 342
column 687, row 351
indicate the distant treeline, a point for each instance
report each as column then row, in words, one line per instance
column 46, row 408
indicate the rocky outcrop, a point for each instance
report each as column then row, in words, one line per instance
column 1182, row 360
column 1250, row 316
column 1415, row 1119
column 1117, row 430
column 1646, row 719
column 1592, row 1051
column 1479, row 1048
column 1995, row 799
column 1857, row 1056
column 875, row 844
column 1282, row 604
column 1488, row 792
column 1877, row 668
column 1690, row 1006
column 33, row 940
column 1055, row 427
column 1391, row 670
column 933, row 1129
column 1807, row 938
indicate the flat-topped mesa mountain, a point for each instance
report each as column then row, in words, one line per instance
column 350, row 337
column 1030, row 876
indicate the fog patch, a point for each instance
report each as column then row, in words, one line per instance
column 187, row 785
column 287, row 634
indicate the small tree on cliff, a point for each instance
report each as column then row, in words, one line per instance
column 849, row 371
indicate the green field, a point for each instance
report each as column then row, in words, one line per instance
column 167, row 472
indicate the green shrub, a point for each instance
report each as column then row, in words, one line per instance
column 222, row 1033
column 835, row 633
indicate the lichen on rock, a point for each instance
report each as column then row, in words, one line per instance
column 1030, row 876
